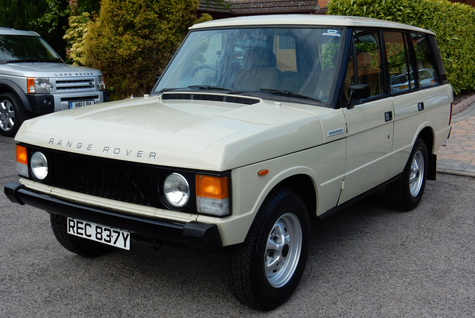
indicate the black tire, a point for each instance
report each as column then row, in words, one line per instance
column 283, row 213
column 405, row 193
column 73, row 243
column 12, row 114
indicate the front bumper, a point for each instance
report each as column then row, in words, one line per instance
column 193, row 234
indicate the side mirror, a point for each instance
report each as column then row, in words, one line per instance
column 357, row 91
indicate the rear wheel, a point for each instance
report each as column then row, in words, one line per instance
column 406, row 192
column 12, row 114
column 267, row 267
column 73, row 243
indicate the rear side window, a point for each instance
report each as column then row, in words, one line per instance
column 425, row 60
column 401, row 74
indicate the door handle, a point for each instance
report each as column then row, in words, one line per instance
column 420, row 106
column 388, row 116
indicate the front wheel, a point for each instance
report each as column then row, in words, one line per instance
column 12, row 114
column 406, row 192
column 267, row 267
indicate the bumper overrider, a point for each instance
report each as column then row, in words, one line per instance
column 193, row 234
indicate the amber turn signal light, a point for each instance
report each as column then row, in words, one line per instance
column 21, row 156
column 211, row 187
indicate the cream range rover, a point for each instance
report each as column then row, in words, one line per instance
column 257, row 125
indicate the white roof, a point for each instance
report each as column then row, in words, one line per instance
column 306, row 19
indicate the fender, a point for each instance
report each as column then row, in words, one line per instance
column 10, row 86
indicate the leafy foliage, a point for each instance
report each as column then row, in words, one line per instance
column 59, row 9
column 78, row 26
column 132, row 41
column 23, row 14
column 51, row 18
column 453, row 23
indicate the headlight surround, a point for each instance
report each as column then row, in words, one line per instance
column 39, row 85
column 212, row 195
column 176, row 190
column 101, row 84
column 39, row 165
column 22, row 161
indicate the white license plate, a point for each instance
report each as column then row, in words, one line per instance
column 81, row 104
column 99, row 233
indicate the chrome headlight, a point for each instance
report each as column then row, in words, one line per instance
column 39, row 85
column 39, row 166
column 101, row 84
column 176, row 190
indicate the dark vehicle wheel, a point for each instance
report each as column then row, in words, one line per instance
column 267, row 267
column 406, row 192
column 12, row 114
column 73, row 243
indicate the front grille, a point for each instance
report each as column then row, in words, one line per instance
column 75, row 84
column 111, row 179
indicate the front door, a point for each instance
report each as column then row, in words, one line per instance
column 370, row 123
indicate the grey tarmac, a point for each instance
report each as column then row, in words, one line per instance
column 366, row 261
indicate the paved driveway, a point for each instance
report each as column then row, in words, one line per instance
column 367, row 261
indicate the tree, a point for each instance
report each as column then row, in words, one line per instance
column 24, row 14
column 132, row 41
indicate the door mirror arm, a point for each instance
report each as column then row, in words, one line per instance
column 357, row 91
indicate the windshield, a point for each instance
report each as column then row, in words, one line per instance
column 288, row 62
column 20, row 48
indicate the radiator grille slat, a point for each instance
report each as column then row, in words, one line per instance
column 82, row 84
column 116, row 180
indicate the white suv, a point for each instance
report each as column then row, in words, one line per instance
column 35, row 81
column 257, row 125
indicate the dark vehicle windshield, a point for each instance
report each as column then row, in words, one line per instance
column 20, row 48
column 296, row 63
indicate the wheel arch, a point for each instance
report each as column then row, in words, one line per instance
column 7, row 86
column 305, row 186
column 427, row 135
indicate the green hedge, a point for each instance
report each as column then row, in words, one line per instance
column 132, row 41
column 453, row 23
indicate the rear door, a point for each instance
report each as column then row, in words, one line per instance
column 407, row 97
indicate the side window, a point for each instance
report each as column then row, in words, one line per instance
column 425, row 60
column 401, row 75
column 368, row 62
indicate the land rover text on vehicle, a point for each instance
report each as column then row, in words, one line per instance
column 257, row 125
column 34, row 80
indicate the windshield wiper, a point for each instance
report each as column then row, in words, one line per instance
column 288, row 93
column 210, row 87
column 172, row 89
